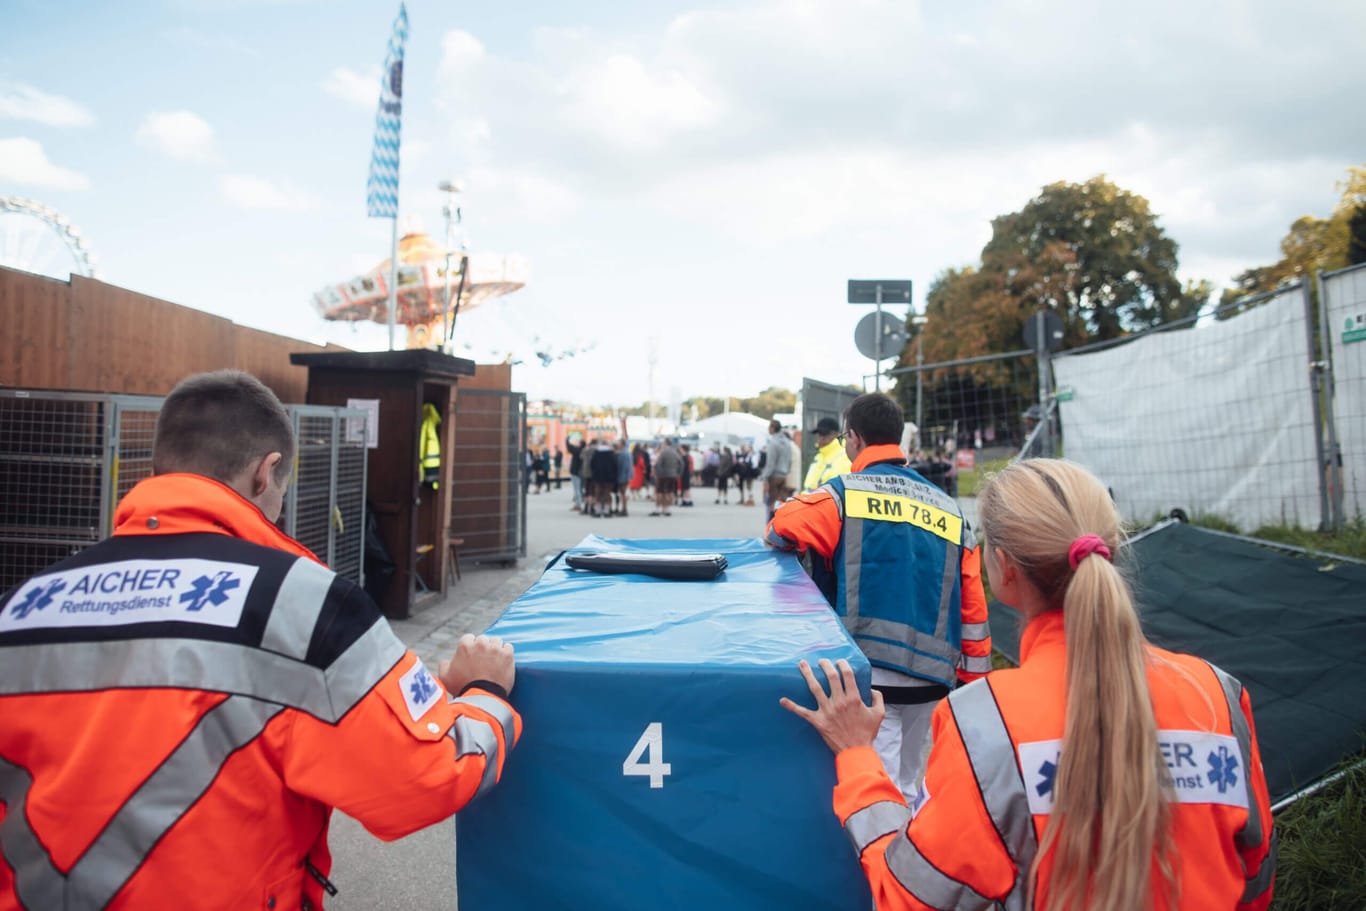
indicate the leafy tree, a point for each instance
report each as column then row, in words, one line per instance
column 968, row 313
column 701, row 405
column 1312, row 244
column 1094, row 253
column 771, row 401
column 1356, row 239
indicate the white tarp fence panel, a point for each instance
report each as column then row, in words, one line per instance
column 1216, row 419
column 1345, row 303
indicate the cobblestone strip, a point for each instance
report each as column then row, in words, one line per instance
column 439, row 644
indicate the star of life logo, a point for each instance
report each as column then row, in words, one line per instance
column 1180, row 752
column 37, row 598
column 132, row 591
column 206, row 590
column 420, row 690
column 1223, row 767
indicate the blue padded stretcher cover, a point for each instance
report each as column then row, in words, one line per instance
column 741, row 818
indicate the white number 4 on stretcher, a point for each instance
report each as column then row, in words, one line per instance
column 650, row 745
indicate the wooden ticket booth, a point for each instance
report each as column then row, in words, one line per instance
column 412, row 516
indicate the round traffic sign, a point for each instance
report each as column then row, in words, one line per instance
column 888, row 327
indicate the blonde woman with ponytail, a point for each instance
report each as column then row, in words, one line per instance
column 1103, row 773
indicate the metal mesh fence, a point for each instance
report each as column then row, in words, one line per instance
column 52, row 471
column 66, row 459
column 348, row 550
column 1216, row 416
column 137, row 424
column 1221, row 415
column 310, row 506
column 968, row 415
column 325, row 509
column 1342, row 296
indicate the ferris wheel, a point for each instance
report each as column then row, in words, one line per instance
column 37, row 238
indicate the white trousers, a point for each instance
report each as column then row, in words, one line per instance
column 903, row 742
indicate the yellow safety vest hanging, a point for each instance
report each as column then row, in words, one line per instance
column 429, row 446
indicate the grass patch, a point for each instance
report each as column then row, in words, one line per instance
column 1322, row 864
column 1349, row 542
column 969, row 482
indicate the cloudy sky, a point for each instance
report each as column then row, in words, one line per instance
column 692, row 179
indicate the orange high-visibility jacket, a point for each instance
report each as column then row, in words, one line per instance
column 988, row 789
column 186, row 702
column 815, row 521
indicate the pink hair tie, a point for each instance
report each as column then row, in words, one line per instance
column 1084, row 546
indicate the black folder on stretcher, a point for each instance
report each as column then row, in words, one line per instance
column 678, row 566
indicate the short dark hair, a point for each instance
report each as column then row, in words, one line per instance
column 774, row 426
column 875, row 417
column 217, row 424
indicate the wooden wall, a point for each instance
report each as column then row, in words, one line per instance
column 489, row 376
column 89, row 336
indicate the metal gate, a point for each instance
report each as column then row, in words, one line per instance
column 66, row 459
column 325, row 506
column 820, row 400
column 488, row 498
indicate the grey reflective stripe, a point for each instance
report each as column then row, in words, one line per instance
column 356, row 671
column 907, row 637
column 976, row 632
column 501, row 712
column 853, row 566
column 37, row 883
column 1251, row 835
column 1258, row 884
column 163, row 798
column 871, row 823
column 975, row 664
column 900, row 657
column 475, row 737
column 992, row 756
column 941, row 623
column 143, row 820
column 969, row 536
column 774, row 539
column 197, row 664
column 297, row 606
column 927, row 882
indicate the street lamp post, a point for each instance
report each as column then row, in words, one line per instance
column 451, row 188
column 919, row 323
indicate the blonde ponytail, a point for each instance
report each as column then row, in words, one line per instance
column 1111, row 810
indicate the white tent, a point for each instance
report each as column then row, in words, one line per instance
column 729, row 429
column 643, row 427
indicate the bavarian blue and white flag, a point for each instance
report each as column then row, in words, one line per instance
column 381, row 190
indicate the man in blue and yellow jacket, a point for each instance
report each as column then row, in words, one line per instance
column 895, row 558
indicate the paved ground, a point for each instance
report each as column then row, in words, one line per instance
column 417, row 873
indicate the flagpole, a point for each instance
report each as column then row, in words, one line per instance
column 381, row 191
column 393, row 282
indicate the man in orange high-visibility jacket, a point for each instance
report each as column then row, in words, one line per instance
column 897, row 561
column 186, row 702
